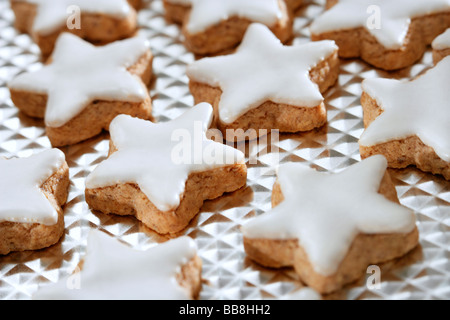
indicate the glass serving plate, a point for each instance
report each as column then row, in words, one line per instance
column 228, row 273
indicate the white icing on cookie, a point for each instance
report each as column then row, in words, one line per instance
column 52, row 15
column 115, row 271
column 395, row 17
column 263, row 69
column 81, row 73
column 21, row 199
column 443, row 41
column 412, row 108
column 325, row 211
column 207, row 13
column 148, row 155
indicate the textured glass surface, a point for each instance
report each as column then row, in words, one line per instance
column 228, row 273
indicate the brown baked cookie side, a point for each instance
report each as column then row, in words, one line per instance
column 294, row 5
column 190, row 277
column 136, row 4
column 175, row 12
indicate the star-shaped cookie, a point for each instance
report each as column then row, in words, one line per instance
column 408, row 121
column 331, row 226
column 32, row 191
column 177, row 10
column 215, row 26
column 162, row 173
column 114, row 271
column 206, row 13
column 100, row 21
column 266, row 85
column 387, row 34
column 84, row 87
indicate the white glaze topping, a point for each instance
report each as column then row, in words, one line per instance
column 395, row 17
column 263, row 69
column 21, row 199
column 206, row 13
column 443, row 41
column 325, row 211
column 420, row 107
column 148, row 155
column 52, row 15
column 115, row 271
column 81, row 73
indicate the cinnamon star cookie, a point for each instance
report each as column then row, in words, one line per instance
column 162, row 173
column 113, row 271
column 409, row 121
column 266, row 85
column 99, row 21
column 387, row 34
column 331, row 226
column 32, row 192
column 84, row 87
